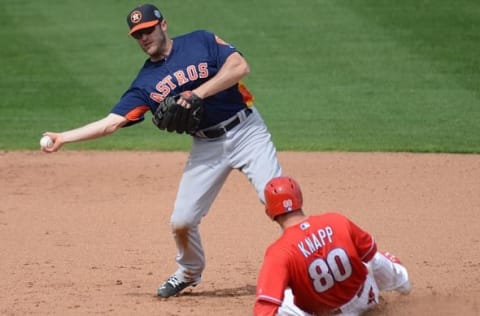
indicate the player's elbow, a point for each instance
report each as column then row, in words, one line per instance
column 244, row 67
column 112, row 122
column 109, row 130
column 246, row 71
column 242, row 70
column 239, row 65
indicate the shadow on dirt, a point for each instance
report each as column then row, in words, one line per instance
column 236, row 291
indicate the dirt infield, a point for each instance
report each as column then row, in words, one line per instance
column 87, row 233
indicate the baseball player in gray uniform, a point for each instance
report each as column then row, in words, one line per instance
column 200, row 71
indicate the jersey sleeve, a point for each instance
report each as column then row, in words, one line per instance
column 219, row 48
column 273, row 277
column 265, row 308
column 132, row 105
column 363, row 241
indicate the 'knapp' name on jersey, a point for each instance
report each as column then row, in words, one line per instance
column 315, row 240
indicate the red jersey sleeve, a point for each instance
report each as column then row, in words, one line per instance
column 363, row 241
column 272, row 280
column 264, row 308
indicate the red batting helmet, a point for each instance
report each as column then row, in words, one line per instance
column 282, row 195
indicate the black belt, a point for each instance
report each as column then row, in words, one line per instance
column 217, row 132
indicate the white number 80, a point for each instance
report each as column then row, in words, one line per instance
column 336, row 268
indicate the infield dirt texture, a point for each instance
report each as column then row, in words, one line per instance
column 86, row 233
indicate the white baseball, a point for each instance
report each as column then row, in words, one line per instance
column 46, row 142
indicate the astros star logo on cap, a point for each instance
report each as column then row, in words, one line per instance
column 142, row 17
column 136, row 17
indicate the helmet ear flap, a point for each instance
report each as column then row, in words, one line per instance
column 282, row 195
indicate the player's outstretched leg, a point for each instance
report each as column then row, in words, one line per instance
column 389, row 273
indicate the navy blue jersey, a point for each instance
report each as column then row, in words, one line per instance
column 195, row 58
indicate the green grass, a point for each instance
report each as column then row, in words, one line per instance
column 327, row 75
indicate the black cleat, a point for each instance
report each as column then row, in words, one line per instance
column 172, row 287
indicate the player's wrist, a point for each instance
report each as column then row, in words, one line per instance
column 199, row 93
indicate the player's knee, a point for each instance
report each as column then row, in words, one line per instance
column 182, row 222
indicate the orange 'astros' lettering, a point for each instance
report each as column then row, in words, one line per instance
column 166, row 85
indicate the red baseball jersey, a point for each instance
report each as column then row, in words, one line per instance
column 321, row 259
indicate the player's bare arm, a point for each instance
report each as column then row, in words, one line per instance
column 100, row 128
column 232, row 71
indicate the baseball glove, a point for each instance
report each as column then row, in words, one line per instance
column 173, row 117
